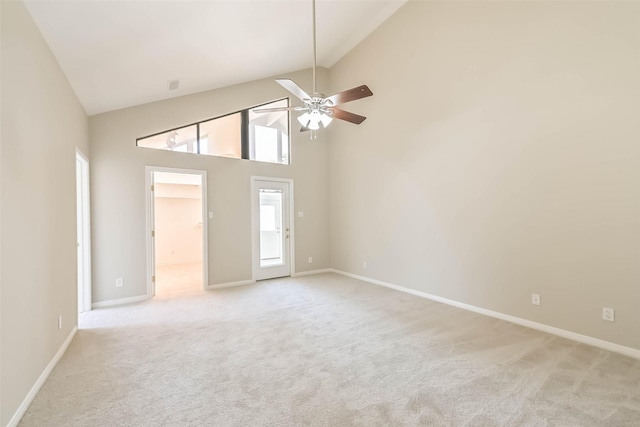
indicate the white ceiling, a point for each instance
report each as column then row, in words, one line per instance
column 122, row 53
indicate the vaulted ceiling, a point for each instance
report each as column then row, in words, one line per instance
column 122, row 53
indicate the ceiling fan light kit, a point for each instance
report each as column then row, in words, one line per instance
column 319, row 111
column 313, row 119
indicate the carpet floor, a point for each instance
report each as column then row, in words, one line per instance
column 177, row 280
column 326, row 350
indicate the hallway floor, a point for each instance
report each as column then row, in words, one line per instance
column 178, row 279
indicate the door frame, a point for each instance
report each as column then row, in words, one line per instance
column 83, row 224
column 150, row 211
column 255, row 225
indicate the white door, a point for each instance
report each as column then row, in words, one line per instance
column 271, row 229
column 83, row 233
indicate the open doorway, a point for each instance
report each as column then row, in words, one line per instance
column 178, row 231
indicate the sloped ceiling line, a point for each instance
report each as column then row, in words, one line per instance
column 117, row 54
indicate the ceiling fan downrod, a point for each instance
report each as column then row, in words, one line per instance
column 315, row 44
column 317, row 110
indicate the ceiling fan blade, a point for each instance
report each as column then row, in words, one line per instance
column 304, row 129
column 347, row 116
column 292, row 87
column 273, row 110
column 349, row 95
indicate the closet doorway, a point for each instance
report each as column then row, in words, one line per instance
column 177, row 229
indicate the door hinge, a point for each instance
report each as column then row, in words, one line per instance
column 153, row 279
column 152, row 188
column 153, row 233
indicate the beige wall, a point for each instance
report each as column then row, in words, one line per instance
column 118, row 193
column 178, row 223
column 42, row 123
column 190, row 191
column 501, row 157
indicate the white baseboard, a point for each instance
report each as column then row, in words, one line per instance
column 584, row 339
column 312, row 272
column 121, row 301
column 41, row 380
column 251, row 282
column 231, row 284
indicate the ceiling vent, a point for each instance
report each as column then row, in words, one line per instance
column 173, row 84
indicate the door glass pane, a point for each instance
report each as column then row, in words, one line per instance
column 267, row 218
column 271, row 232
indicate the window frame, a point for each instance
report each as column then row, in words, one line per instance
column 245, row 132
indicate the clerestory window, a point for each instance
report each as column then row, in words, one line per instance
column 263, row 137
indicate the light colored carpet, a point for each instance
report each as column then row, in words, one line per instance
column 178, row 280
column 326, row 350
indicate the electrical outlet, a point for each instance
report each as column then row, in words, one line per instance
column 119, row 282
column 310, row 260
column 535, row 299
column 59, row 322
column 608, row 314
column 364, row 264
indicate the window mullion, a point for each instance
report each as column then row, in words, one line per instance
column 244, row 134
column 198, row 138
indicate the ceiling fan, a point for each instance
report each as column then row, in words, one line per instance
column 318, row 110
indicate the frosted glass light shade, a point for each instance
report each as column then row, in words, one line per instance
column 304, row 119
column 313, row 119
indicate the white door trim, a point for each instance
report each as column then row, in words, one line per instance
column 255, row 246
column 150, row 223
column 84, row 282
